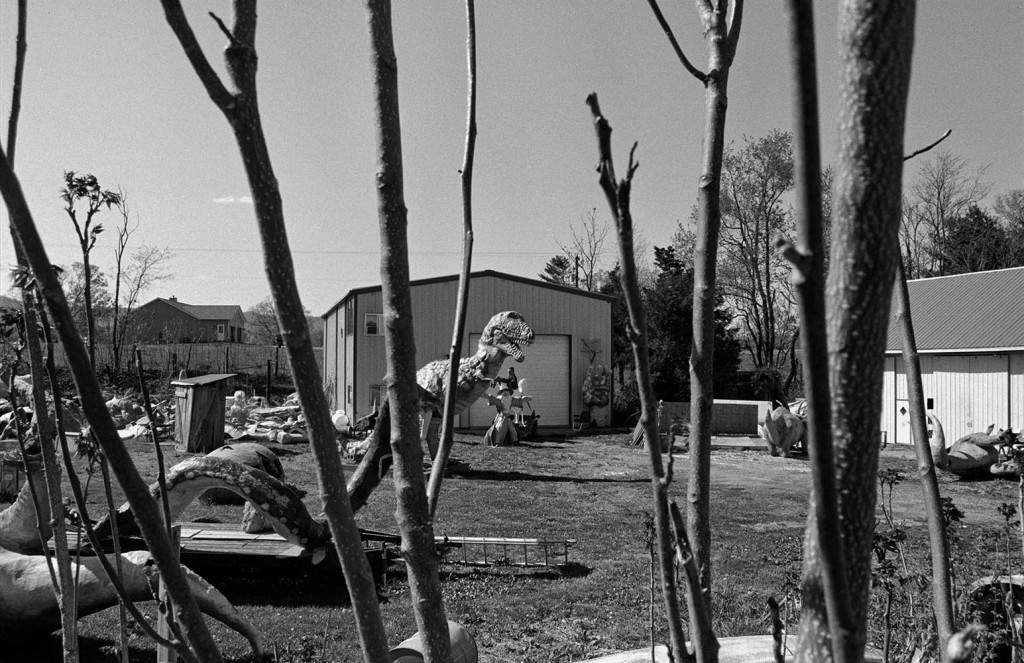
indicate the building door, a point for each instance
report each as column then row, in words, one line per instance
column 547, row 374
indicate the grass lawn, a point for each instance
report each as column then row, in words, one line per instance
column 591, row 489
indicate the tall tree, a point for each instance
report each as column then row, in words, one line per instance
column 82, row 193
column 976, row 242
column 412, row 513
column 585, row 250
column 558, row 270
column 99, row 302
column 753, row 277
column 240, row 108
column 875, row 46
column 943, row 189
column 721, row 22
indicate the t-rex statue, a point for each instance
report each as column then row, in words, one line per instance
column 28, row 606
column 502, row 338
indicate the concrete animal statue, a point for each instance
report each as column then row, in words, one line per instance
column 971, row 456
column 28, row 606
column 782, row 429
column 503, row 337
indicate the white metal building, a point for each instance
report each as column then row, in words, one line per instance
column 572, row 327
column 969, row 330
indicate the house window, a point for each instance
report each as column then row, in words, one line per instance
column 220, row 329
column 373, row 324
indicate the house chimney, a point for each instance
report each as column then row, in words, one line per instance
column 173, row 298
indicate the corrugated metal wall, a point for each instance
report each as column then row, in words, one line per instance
column 547, row 310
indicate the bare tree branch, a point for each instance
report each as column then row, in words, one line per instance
column 928, row 147
column 696, row 73
column 193, row 51
column 451, row 394
column 21, row 45
column 810, row 287
column 617, row 194
column 242, row 112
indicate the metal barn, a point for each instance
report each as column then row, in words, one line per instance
column 572, row 327
column 970, row 336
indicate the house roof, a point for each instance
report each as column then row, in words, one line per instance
column 474, row 275
column 203, row 311
column 982, row 311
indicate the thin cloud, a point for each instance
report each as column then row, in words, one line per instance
column 233, row 200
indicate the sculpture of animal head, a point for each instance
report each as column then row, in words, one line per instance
column 507, row 331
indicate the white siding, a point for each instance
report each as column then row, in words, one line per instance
column 967, row 392
column 1017, row 391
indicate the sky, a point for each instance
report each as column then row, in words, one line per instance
column 108, row 91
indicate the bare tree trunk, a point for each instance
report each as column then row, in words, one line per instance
column 942, row 591
column 876, row 41
column 242, row 112
column 808, row 260
column 721, row 43
column 90, row 320
column 411, row 513
column 448, row 420
column 51, row 470
column 618, row 194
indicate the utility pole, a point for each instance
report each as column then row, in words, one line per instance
column 576, row 278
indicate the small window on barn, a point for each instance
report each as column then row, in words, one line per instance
column 373, row 324
column 220, row 329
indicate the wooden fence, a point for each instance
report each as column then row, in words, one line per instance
column 199, row 358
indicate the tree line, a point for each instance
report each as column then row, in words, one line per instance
column 945, row 229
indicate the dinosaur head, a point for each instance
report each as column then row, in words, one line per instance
column 507, row 331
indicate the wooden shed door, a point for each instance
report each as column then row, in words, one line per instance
column 547, row 375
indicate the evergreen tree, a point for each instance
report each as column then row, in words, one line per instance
column 558, row 270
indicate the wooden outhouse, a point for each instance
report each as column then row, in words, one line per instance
column 199, row 424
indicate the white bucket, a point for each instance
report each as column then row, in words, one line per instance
column 462, row 644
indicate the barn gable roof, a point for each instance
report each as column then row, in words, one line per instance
column 473, row 275
column 982, row 311
column 202, row 311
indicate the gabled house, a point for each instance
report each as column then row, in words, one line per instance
column 969, row 330
column 170, row 321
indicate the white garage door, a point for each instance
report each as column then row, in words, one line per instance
column 546, row 372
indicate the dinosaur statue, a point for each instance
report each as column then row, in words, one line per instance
column 501, row 338
column 972, row 456
column 28, row 606
column 782, row 429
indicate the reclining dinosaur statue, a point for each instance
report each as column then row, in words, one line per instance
column 972, row 456
column 502, row 338
column 28, row 606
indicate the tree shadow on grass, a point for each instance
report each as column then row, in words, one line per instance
column 513, row 475
column 323, row 587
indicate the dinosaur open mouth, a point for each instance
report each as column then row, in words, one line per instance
column 515, row 351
